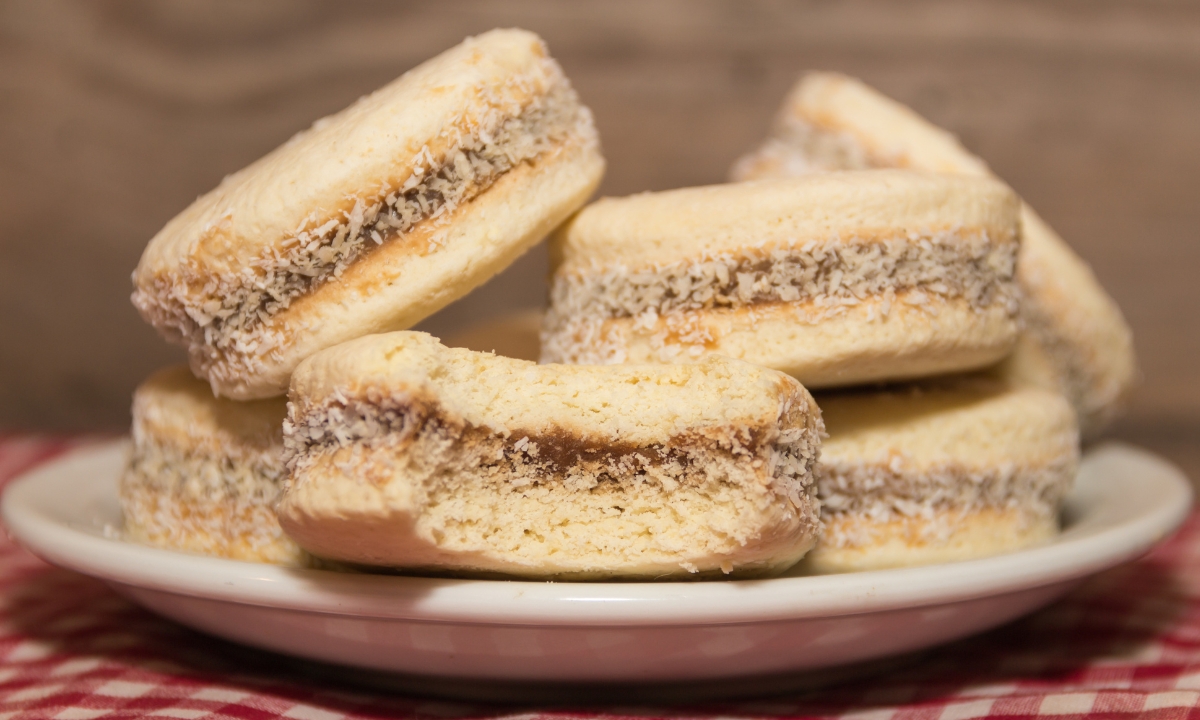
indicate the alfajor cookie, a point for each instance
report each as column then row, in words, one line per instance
column 404, row 453
column 963, row 469
column 836, row 279
column 204, row 472
column 1075, row 339
column 375, row 217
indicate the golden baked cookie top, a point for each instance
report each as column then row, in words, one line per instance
column 854, row 207
column 968, row 421
column 176, row 407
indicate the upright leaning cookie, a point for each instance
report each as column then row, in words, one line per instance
column 835, row 279
column 204, row 472
column 961, row 470
column 374, row 218
column 408, row 454
column 1075, row 340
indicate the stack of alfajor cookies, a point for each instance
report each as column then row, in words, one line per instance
column 395, row 450
column 668, row 431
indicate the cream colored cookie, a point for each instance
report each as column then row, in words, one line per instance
column 407, row 454
column 962, row 469
column 374, row 218
column 204, row 472
column 514, row 335
column 1075, row 339
column 836, row 279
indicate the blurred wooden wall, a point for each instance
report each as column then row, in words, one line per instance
column 115, row 115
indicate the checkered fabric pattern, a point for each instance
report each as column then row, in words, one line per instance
column 1126, row 644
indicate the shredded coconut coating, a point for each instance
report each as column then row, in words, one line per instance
column 230, row 313
column 500, row 483
column 943, row 495
column 822, row 279
column 215, row 503
column 790, row 452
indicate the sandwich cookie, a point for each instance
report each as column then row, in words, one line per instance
column 836, row 279
column 204, row 472
column 1075, row 340
column 922, row 475
column 406, row 454
column 375, row 217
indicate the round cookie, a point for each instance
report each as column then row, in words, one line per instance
column 374, row 218
column 962, row 469
column 836, row 279
column 204, row 472
column 1075, row 339
column 407, row 454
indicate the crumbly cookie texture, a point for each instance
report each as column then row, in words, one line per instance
column 222, row 277
column 630, row 287
column 407, row 454
column 1075, row 339
column 204, row 473
column 923, row 474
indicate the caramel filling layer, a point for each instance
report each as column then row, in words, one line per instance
column 786, row 455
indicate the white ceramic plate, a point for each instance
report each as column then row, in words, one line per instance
column 1125, row 501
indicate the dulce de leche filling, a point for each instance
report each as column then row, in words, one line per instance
column 553, row 455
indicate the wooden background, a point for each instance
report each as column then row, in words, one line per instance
column 115, row 115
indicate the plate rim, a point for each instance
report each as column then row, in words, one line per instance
column 543, row 603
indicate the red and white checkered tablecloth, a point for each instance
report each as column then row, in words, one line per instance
column 1126, row 644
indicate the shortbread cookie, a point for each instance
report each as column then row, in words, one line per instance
column 204, row 472
column 836, row 279
column 921, row 475
column 407, row 454
column 514, row 335
column 375, row 217
column 1075, row 340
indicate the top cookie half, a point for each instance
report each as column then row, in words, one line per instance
column 1075, row 340
column 374, row 218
